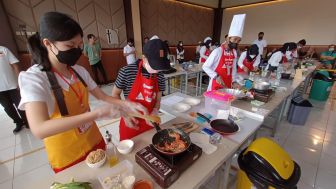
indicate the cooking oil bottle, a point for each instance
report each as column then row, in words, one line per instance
column 111, row 150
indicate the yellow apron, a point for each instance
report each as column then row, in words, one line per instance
column 71, row 147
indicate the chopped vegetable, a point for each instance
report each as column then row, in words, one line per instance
column 71, row 185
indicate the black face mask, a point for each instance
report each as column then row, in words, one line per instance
column 69, row 57
column 260, row 38
column 233, row 45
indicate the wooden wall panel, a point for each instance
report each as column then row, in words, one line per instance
column 94, row 16
column 174, row 21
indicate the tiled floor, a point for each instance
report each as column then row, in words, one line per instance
column 313, row 146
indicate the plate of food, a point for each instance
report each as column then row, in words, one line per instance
column 96, row 158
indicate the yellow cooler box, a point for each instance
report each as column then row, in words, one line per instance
column 265, row 165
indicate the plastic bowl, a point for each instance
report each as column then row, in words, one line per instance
column 192, row 101
column 125, row 146
column 143, row 184
column 98, row 164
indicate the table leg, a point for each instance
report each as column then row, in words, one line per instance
column 200, row 82
column 197, row 80
column 186, row 84
column 223, row 183
column 278, row 121
column 168, row 85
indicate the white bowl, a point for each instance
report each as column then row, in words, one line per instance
column 125, row 146
column 181, row 107
column 192, row 101
column 98, row 164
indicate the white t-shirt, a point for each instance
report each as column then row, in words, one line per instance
column 131, row 57
column 242, row 58
column 275, row 59
column 35, row 86
column 8, row 78
column 212, row 62
column 202, row 53
column 261, row 45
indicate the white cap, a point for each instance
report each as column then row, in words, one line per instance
column 206, row 39
column 237, row 25
column 154, row 37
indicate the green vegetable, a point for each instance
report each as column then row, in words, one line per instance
column 71, row 185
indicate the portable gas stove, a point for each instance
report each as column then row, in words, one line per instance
column 165, row 170
column 263, row 96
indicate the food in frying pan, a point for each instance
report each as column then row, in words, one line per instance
column 173, row 144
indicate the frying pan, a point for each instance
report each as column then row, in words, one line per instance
column 162, row 136
column 222, row 126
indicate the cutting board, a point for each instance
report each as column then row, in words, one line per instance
column 180, row 123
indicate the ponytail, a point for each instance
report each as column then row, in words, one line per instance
column 39, row 52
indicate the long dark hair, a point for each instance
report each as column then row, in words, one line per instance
column 53, row 26
column 179, row 48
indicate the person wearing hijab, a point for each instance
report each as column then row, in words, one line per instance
column 180, row 52
column 249, row 59
column 221, row 66
column 205, row 50
column 281, row 56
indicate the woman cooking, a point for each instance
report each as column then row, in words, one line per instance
column 205, row 50
column 55, row 94
column 249, row 60
column 141, row 82
column 221, row 66
column 282, row 56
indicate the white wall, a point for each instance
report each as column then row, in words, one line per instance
column 289, row 20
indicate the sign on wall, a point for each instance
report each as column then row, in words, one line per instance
column 112, row 36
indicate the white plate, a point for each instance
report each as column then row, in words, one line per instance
column 181, row 107
column 192, row 101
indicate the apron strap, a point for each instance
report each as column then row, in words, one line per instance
column 58, row 92
column 79, row 77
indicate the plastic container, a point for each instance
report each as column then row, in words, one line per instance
column 299, row 111
column 115, row 175
column 218, row 103
column 321, row 87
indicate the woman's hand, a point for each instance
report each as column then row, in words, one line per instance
column 220, row 81
column 155, row 112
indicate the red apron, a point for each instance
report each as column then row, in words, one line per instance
column 248, row 64
column 144, row 91
column 284, row 59
column 207, row 53
column 224, row 70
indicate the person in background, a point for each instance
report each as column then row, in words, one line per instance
column 205, row 50
column 214, row 46
column 197, row 53
column 311, row 53
column 249, row 60
column 146, row 39
column 261, row 42
column 221, row 66
column 300, row 52
column 9, row 91
column 328, row 57
column 283, row 55
column 55, row 94
column 141, row 83
column 167, row 47
column 129, row 51
column 93, row 51
column 180, row 52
